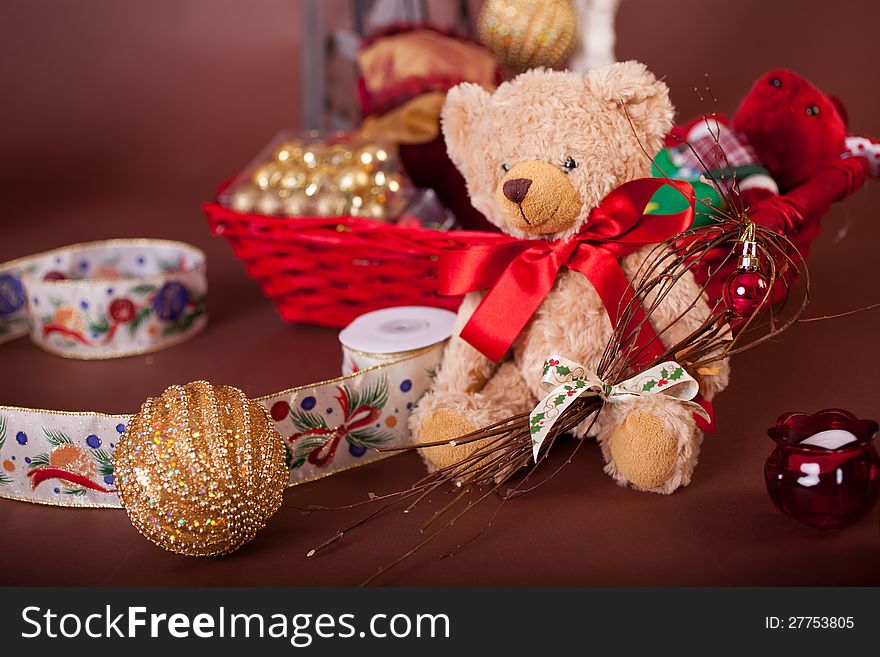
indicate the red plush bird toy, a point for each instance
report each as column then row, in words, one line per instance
column 798, row 134
column 797, row 130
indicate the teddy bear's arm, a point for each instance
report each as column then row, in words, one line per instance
column 675, row 321
column 463, row 368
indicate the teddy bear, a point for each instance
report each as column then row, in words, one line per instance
column 539, row 155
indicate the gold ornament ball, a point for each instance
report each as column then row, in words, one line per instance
column 527, row 33
column 292, row 177
column 295, row 205
column 200, row 469
column 313, row 154
column 352, row 179
column 244, row 197
column 329, row 204
column 318, row 182
column 372, row 156
column 339, row 155
column 394, row 194
column 267, row 175
column 353, row 205
column 373, row 209
column 268, row 203
column 290, row 152
column 395, row 182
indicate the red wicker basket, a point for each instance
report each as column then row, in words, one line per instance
column 328, row 271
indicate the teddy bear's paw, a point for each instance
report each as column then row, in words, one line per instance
column 445, row 426
column 644, row 452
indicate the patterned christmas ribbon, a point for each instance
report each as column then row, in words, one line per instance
column 105, row 299
column 567, row 380
column 66, row 458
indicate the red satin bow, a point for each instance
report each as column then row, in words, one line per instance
column 520, row 273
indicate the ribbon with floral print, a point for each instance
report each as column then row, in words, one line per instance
column 67, row 458
column 105, row 299
column 567, row 380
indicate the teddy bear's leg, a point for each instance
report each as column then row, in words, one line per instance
column 650, row 442
column 445, row 416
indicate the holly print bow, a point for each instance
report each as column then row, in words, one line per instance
column 567, row 380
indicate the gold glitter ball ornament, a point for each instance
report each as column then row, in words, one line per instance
column 267, row 175
column 352, row 179
column 292, row 177
column 296, row 205
column 524, row 34
column 268, row 202
column 290, row 152
column 200, row 469
column 339, row 155
column 329, row 204
column 313, row 154
column 244, row 198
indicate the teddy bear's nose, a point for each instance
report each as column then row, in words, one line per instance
column 516, row 189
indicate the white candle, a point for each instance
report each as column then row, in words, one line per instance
column 830, row 439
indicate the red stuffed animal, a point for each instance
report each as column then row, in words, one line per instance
column 797, row 130
column 799, row 134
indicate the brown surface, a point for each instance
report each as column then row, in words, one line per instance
column 119, row 118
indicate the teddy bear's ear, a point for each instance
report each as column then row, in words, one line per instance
column 645, row 99
column 464, row 103
column 626, row 83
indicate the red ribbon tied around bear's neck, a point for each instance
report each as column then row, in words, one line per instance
column 520, row 273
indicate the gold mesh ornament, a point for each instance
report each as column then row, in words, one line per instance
column 200, row 469
column 524, row 34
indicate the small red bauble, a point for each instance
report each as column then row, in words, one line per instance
column 744, row 292
column 54, row 276
column 122, row 310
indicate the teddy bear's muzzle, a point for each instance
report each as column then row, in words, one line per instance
column 537, row 197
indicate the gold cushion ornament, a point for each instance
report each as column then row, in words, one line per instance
column 200, row 469
column 528, row 33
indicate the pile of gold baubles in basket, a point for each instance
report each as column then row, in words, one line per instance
column 318, row 179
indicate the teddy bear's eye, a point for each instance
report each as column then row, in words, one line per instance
column 505, row 167
column 569, row 164
column 776, row 82
column 812, row 111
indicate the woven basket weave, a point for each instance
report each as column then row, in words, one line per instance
column 328, row 271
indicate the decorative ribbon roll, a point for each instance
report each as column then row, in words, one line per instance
column 105, row 299
column 387, row 335
column 66, row 458
column 567, row 380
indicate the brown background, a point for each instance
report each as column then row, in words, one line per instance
column 118, row 119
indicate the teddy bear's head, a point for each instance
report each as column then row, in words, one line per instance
column 542, row 150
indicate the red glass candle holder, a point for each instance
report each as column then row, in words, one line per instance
column 825, row 488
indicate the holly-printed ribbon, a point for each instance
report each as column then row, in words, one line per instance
column 567, row 380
